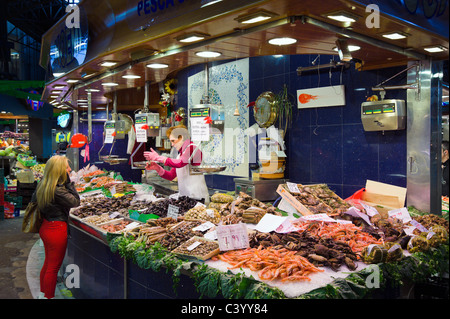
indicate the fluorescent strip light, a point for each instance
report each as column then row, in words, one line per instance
column 342, row 16
column 435, row 49
column 208, row 54
column 110, row 84
column 72, row 81
column 395, row 35
column 191, row 38
column 255, row 17
column 351, row 48
column 92, row 90
column 108, row 63
column 157, row 65
column 206, row 3
column 282, row 41
column 54, row 96
column 56, row 92
column 59, row 87
column 58, row 74
column 131, row 76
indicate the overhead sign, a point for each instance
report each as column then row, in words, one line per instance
column 142, row 14
column 63, row 119
column 69, row 44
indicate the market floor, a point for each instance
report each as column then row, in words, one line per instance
column 22, row 256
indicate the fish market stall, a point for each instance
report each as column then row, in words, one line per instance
column 176, row 247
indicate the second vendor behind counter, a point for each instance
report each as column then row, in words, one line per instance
column 193, row 186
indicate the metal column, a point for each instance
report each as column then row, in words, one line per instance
column 424, row 109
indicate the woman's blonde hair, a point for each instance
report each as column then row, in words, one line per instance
column 55, row 172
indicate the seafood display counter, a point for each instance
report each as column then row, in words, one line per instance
column 175, row 247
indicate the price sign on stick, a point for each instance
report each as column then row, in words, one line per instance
column 232, row 237
column 172, row 211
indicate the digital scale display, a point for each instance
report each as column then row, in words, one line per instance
column 379, row 109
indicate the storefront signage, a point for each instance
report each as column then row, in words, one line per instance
column 142, row 14
column 63, row 119
column 69, row 44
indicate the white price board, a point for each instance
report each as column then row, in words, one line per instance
column 232, row 237
column 141, row 134
column 109, row 138
column 172, row 211
column 199, row 129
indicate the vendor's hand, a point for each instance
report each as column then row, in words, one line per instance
column 155, row 167
column 151, row 156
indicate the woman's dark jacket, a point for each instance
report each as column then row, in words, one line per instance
column 66, row 197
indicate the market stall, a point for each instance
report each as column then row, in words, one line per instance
column 262, row 112
column 130, row 233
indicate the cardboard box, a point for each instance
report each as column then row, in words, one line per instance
column 383, row 197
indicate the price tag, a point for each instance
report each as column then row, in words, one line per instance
column 355, row 212
column 232, row 237
column 113, row 215
column 172, row 211
column 418, row 225
column 203, row 227
column 175, row 196
column 293, row 188
column 109, row 138
column 113, row 190
column 193, row 246
column 401, row 214
column 199, row 205
column 318, row 217
column 141, row 134
column 132, row 225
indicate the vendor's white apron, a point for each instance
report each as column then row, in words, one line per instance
column 193, row 186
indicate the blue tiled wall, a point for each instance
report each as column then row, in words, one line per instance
column 326, row 145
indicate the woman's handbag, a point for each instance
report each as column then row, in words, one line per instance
column 32, row 219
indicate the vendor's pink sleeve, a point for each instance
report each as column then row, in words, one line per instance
column 184, row 158
column 169, row 175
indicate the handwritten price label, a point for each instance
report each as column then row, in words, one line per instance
column 172, row 211
column 232, row 237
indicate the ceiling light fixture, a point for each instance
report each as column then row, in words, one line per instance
column 110, row 84
column 108, row 63
column 205, row 3
column 58, row 74
column 208, row 54
column 131, row 76
column 395, row 35
column 72, row 81
column 54, row 96
column 56, row 92
column 59, row 87
column 157, row 65
column 192, row 37
column 92, row 90
column 86, row 75
column 435, row 49
column 255, row 17
column 282, row 41
column 342, row 16
column 351, row 48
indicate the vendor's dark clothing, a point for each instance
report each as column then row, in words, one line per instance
column 445, row 182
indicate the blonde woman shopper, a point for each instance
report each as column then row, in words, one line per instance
column 55, row 195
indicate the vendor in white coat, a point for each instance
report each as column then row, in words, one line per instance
column 193, row 186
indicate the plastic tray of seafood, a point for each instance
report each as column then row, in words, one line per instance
column 198, row 248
